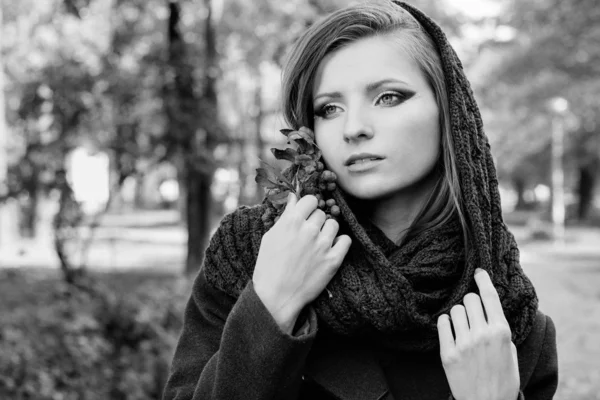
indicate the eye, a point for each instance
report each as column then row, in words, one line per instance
column 326, row 110
column 391, row 98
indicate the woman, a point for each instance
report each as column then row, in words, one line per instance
column 425, row 297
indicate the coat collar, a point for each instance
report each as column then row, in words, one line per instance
column 347, row 373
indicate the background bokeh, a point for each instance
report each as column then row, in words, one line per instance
column 128, row 128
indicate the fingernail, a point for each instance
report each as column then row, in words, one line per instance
column 478, row 270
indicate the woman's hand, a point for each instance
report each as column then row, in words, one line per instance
column 481, row 363
column 298, row 257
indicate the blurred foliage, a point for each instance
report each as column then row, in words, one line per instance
column 96, row 74
column 57, row 343
column 555, row 52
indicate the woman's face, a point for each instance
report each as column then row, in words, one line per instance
column 370, row 97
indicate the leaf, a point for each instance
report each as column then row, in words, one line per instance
column 262, row 178
column 295, row 136
column 287, row 154
column 307, row 135
column 300, row 158
column 275, row 176
column 286, row 132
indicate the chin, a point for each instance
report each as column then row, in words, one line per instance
column 371, row 190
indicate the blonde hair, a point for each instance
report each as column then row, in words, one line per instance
column 383, row 19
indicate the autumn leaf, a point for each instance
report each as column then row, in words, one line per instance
column 262, row 178
column 270, row 175
column 307, row 135
column 295, row 136
column 300, row 158
column 287, row 154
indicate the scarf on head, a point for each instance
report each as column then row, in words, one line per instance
column 389, row 294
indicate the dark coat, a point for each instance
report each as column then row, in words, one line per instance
column 232, row 350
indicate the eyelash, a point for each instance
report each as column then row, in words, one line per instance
column 320, row 112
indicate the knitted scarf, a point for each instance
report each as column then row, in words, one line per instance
column 392, row 295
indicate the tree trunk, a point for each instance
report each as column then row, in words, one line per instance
column 199, row 205
column 585, row 189
column 258, row 122
column 195, row 136
column 519, row 185
column 199, row 202
column 29, row 205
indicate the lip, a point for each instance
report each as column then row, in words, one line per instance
column 364, row 166
column 359, row 156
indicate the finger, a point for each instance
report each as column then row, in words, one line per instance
column 445, row 334
column 306, row 205
column 475, row 313
column 460, row 322
column 341, row 245
column 489, row 297
column 291, row 202
column 330, row 229
column 317, row 218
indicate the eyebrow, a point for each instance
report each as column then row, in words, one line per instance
column 369, row 88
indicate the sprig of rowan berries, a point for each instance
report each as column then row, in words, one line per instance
column 306, row 175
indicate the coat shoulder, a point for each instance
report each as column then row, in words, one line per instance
column 231, row 254
column 242, row 220
column 238, row 228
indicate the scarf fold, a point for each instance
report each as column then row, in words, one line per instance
column 393, row 295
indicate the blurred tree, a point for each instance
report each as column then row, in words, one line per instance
column 555, row 51
column 193, row 127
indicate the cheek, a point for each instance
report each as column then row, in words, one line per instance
column 329, row 145
column 416, row 133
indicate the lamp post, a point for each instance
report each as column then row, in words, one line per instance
column 559, row 107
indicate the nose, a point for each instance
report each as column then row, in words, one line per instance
column 357, row 126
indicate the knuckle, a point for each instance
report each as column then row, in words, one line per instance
column 449, row 358
column 312, row 229
column 480, row 338
column 463, row 345
column 294, row 218
column 501, row 332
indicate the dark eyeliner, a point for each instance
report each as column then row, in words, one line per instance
column 403, row 95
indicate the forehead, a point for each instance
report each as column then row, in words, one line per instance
column 366, row 61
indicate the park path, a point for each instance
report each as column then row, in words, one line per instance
column 567, row 281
